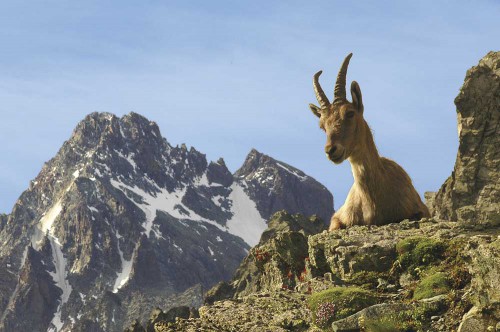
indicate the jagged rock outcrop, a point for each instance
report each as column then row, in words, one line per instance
column 429, row 275
column 36, row 295
column 127, row 222
column 472, row 192
column 3, row 220
column 277, row 262
column 275, row 184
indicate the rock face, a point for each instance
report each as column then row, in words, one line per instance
column 472, row 192
column 435, row 274
column 275, row 184
column 277, row 262
column 37, row 294
column 120, row 222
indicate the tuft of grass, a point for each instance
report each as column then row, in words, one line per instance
column 413, row 319
column 419, row 251
column 346, row 300
column 383, row 324
column 432, row 285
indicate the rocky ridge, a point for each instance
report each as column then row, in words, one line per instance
column 472, row 192
column 121, row 221
column 436, row 274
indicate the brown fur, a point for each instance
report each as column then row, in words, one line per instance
column 382, row 192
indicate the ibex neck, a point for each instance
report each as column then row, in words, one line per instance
column 365, row 160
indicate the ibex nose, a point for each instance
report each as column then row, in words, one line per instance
column 330, row 149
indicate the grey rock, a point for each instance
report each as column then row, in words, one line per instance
column 168, row 317
column 283, row 221
column 473, row 321
column 277, row 262
column 472, row 192
column 35, row 296
column 484, row 255
column 223, row 290
column 274, row 185
column 135, row 327
column 218, row 173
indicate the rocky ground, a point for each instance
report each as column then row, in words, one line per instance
column 413, row 276
column 436, row 274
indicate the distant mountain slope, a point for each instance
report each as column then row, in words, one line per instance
column 119, row 215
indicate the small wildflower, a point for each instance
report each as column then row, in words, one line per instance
column 325, row 313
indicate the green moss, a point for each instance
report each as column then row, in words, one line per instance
column 414, row 319
column 366, row 279
column 419, row 251
column 405, row 321
column 384, row 324
column 456, row 265
column 292, row 248
column 347, row 301
column 432, row 285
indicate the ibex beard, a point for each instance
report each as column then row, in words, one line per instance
column 382, row 192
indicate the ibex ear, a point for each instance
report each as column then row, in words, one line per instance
column 357, row 99
column 315, row 109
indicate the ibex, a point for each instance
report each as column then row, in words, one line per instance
column 382, row 192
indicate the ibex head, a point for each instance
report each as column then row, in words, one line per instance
column 341, row 120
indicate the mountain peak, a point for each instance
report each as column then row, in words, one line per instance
column 104, row 127
column 256, row 162
column 120, row 211
column 269, row 177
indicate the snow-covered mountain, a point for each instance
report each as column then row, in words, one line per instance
column 120, row 221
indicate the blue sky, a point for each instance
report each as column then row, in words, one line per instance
column 229, row 76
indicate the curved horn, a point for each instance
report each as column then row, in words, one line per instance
column 339, row 92
column 320, row 95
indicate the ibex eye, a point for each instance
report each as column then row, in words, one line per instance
column 350, row 114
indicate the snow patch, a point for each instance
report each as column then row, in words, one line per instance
column 128, row 158
column 293, row 172
column 82, row 297
column 121, row 130
column 45, row 227
column 246, row 222
column 259, row 175
column 93, row 209
column 157, row 232
column 61, row 281
column 161, row 200
column 123, row 276
column 47, row 221
column 177, row 247
column 202, row 180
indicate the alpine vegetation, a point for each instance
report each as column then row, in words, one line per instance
column 382, row 192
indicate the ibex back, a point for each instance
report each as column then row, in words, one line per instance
column 382, row 192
